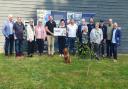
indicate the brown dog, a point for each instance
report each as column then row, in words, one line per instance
column 67, row 58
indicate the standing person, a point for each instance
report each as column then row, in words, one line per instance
column 104, row 30
column 96, row 36
column 91, row 25
column 40, row 34
column 108, row 41
column 18, row 30
column 71, row 30
column 50, row 25
column 9, row 35
column 82, row 31
column 30, row 38
column 116, row 37
column 61, row 39
column 66, row 38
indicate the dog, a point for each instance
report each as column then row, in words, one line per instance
column 67, row 57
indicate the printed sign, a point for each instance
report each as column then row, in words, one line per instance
column 59, row 31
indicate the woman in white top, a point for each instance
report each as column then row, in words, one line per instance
column 96, row 36
column 71, row 30
column 30, row 38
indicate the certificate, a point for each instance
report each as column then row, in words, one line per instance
column 59, row 31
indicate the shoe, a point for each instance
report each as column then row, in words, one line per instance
column 30, row 56
column 97, row 58
column 60, row 55
column 114, row 60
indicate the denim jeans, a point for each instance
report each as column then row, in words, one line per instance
column 9, row 45
column 19, row 46
column 114, row 50
column 71, row 44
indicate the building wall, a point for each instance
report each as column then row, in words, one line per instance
column 104, row 9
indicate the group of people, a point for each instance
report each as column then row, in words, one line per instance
column 97, row 36
column 100, row 36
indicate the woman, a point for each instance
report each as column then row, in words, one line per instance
column 40, row 34
column 61, row 39
column 72, row 30
column 96, row 36
column 30, row 38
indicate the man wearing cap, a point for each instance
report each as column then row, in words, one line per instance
column 9, row 35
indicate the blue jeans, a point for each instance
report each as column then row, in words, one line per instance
column 71, row 44
column 114, row 50
column 9, row 45
column 19, row 46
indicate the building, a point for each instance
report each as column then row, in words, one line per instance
column 104, row 9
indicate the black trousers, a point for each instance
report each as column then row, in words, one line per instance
column 61, row 43
column 40, row 45
column 96, row 49
column 114, row 50
column 102, row 49
column 108, row 48
column 9, row 44
column 31, row 46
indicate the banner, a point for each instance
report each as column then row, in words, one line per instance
column 58, row 15
column 78, row 17
column 70, row 15
column 43, row 15
column 59, row 31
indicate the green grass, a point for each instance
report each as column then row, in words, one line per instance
column 52, row 73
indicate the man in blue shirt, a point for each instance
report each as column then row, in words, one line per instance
column 9, row 35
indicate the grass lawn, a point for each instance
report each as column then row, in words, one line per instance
column 52, row 73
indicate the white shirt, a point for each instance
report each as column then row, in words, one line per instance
column 72, row 29
column 96, row 36
column 113, row 36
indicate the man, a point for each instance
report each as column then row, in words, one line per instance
column 91, row 25
column 71, row 30
column 104, row 30
column 108, row 41
column 82, row 28
column 19, row 29
column 9, row 35
column 116, row 36
column 50, row 25
column 96, row 36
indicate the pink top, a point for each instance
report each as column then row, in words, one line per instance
column 40, row 32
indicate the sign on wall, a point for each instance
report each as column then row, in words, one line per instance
column 66, row 15
column 58, row 15
column 43, row 15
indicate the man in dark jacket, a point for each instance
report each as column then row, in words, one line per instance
column 116, row 38
column 104, row 30
column 18, row 30
column 81, row 29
